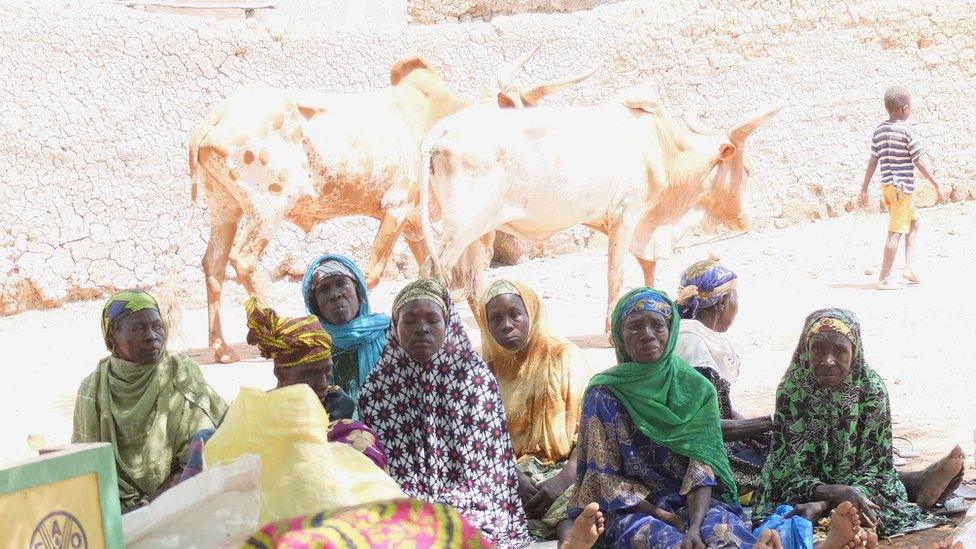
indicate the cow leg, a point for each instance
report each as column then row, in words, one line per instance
column 223, row 226
column 386, row 237
column 246, row 256
column 620, row 233
column 647, row 266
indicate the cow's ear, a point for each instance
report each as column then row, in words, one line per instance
column 505, row 101
column 642, row 97
column 726, row 151
column 406, row 65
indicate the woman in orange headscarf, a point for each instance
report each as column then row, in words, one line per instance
column 541, row 379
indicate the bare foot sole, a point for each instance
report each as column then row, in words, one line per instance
column 813, row 511
column 586, row 528
column 941, row 478
column 870, row 537
column 845, row 523
column 768, row 539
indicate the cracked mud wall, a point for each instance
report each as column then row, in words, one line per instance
column 97, row 103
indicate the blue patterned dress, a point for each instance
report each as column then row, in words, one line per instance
column 619, row 466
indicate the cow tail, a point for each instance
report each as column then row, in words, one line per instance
column 426, row 166
column 198, row 136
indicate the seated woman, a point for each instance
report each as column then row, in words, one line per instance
column 301, row 352
column 541, row 380
column 708, row 303
column 435, row 405
column 650, row 443
column 334, row 290
column 833, row 443
column 143, row 399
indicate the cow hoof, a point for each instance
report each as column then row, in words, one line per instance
column 223, row 354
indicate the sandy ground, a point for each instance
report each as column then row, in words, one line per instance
column 916, row 339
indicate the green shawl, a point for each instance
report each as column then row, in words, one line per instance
column 148, row 413
column 668, row 400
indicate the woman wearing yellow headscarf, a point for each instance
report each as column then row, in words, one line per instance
column 541, row 379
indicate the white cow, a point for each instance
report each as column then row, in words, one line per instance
column 624, row 168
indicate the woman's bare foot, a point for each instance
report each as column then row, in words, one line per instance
column 768, row 539
column 812, row 511
column 941, row 478
column 870, row 537
column 586, row 528
column 845, row 524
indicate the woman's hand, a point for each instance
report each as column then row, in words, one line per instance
column 838, row 493
column 692, row 540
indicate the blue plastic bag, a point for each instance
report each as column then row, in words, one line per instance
column 795, row 532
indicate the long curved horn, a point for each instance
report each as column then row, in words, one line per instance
column 739, row 134
column 506, row 71
column 692, row 119
column 536, row 94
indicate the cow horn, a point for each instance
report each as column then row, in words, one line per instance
column 536, row 94
column 506, row 71
column 739, row 134
column 692, row 119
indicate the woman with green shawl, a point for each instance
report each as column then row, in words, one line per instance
column 834, row 438
column 143, row 399
column 650, row 442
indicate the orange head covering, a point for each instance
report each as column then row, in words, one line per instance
column 541, row 383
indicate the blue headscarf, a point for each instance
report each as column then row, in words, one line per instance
column 366, row 333
column 703, row 285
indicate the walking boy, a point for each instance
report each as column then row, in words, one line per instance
column 896, row 146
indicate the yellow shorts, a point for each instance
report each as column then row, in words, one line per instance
column 901, row 211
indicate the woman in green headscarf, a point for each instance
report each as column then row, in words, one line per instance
column 143, row 399
column 650, row 443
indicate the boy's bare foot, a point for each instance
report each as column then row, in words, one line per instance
column 586, row 528
column 941, row 478
column 910, row 277
column 844, row 533
column 813, row 511
column 768, row 539
column 887, row 284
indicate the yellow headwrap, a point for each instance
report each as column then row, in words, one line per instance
column 286, row 341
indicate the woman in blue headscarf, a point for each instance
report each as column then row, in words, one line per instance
column 334, row 290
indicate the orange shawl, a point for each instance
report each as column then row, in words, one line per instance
column 541, row 384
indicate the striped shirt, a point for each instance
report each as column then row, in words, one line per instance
column 897, row 147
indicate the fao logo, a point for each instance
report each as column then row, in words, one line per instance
column 59, row 530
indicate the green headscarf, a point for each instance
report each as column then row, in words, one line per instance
column 668, row 400
column 146, row 411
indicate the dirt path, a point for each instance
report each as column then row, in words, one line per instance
column 916, row 339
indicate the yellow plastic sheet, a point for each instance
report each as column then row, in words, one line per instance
column 301, row 471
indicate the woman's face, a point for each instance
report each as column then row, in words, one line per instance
column 337, row 299
column 139, row 337
column 421, row 328
column 317, row 375
column 831, row 355
column 508, row 321
column 645, row 335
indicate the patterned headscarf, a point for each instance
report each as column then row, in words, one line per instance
column 442, row 423
column 500, row 287
column 838, row 435
column 287, row 341
column 430, row 289
column 124, row 304
column 329, row 268
column 647, row 301
column 703, row 285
